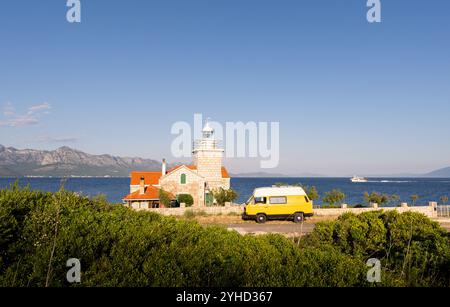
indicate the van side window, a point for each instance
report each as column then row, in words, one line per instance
column 278, row 200
column 307, row 199
column 260, row 200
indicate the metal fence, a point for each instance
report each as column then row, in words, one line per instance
column 443, row 211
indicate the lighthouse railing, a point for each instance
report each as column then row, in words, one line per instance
column 207, row 144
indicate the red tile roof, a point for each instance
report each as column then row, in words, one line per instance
column 151, row 193
column 225, row 173
column 193, row 167
column 149, row 177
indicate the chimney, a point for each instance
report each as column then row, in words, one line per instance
column 142, row 186
column 164, row 167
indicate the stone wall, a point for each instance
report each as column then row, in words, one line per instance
column 426, row 210
column 208, row 210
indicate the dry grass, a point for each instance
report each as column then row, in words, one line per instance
column 316, row 219
column 236, row 219
column 217, row 219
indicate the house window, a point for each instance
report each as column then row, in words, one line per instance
column 183, row 179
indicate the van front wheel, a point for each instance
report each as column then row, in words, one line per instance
column 298, row 217
column 261, row 218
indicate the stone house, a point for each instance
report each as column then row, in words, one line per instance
column 199, row 179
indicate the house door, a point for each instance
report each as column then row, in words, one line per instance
column 208, row 199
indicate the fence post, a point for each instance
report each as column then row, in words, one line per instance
column 434, row 206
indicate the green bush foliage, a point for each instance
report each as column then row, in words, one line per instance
column 333, row 197
column 223, row 196
column 187, row 199
column 312, row 192
column 380, row 199
column 117, row 246
column 164, row 198
column 414, row 250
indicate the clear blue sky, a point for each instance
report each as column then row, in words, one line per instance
column 351, row 97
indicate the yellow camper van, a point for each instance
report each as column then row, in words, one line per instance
column 286, row 203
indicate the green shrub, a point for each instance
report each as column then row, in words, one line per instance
column 223, row 196
column 414, row 250
column 187, row 199
column 119, row 247
column 189, row 214
column 164, row 198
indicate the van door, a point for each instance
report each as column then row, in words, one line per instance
column 260, row 205
column 278, row 205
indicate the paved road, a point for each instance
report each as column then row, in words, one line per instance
column 289, row 229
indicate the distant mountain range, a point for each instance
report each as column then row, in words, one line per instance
column 440, row 173
column 66, row 161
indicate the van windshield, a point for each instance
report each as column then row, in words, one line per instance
column 260, row 200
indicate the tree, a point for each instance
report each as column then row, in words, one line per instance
column 333, row 197
column 377, row 198
column 395, row 199
column 186, row 199
column 414, row 198
column 164, row 198
column 284, row 184
column 444, row 200
column 312, row 193
column 280, row 184
column 223, row 196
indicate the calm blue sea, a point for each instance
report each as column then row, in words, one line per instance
column 115, row 188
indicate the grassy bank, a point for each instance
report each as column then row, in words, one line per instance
column 40, row 231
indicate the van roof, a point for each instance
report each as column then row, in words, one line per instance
column 278, row 191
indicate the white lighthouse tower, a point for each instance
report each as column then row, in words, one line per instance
column 207, row 155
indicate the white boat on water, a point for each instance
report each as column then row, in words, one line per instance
column 358, row 179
